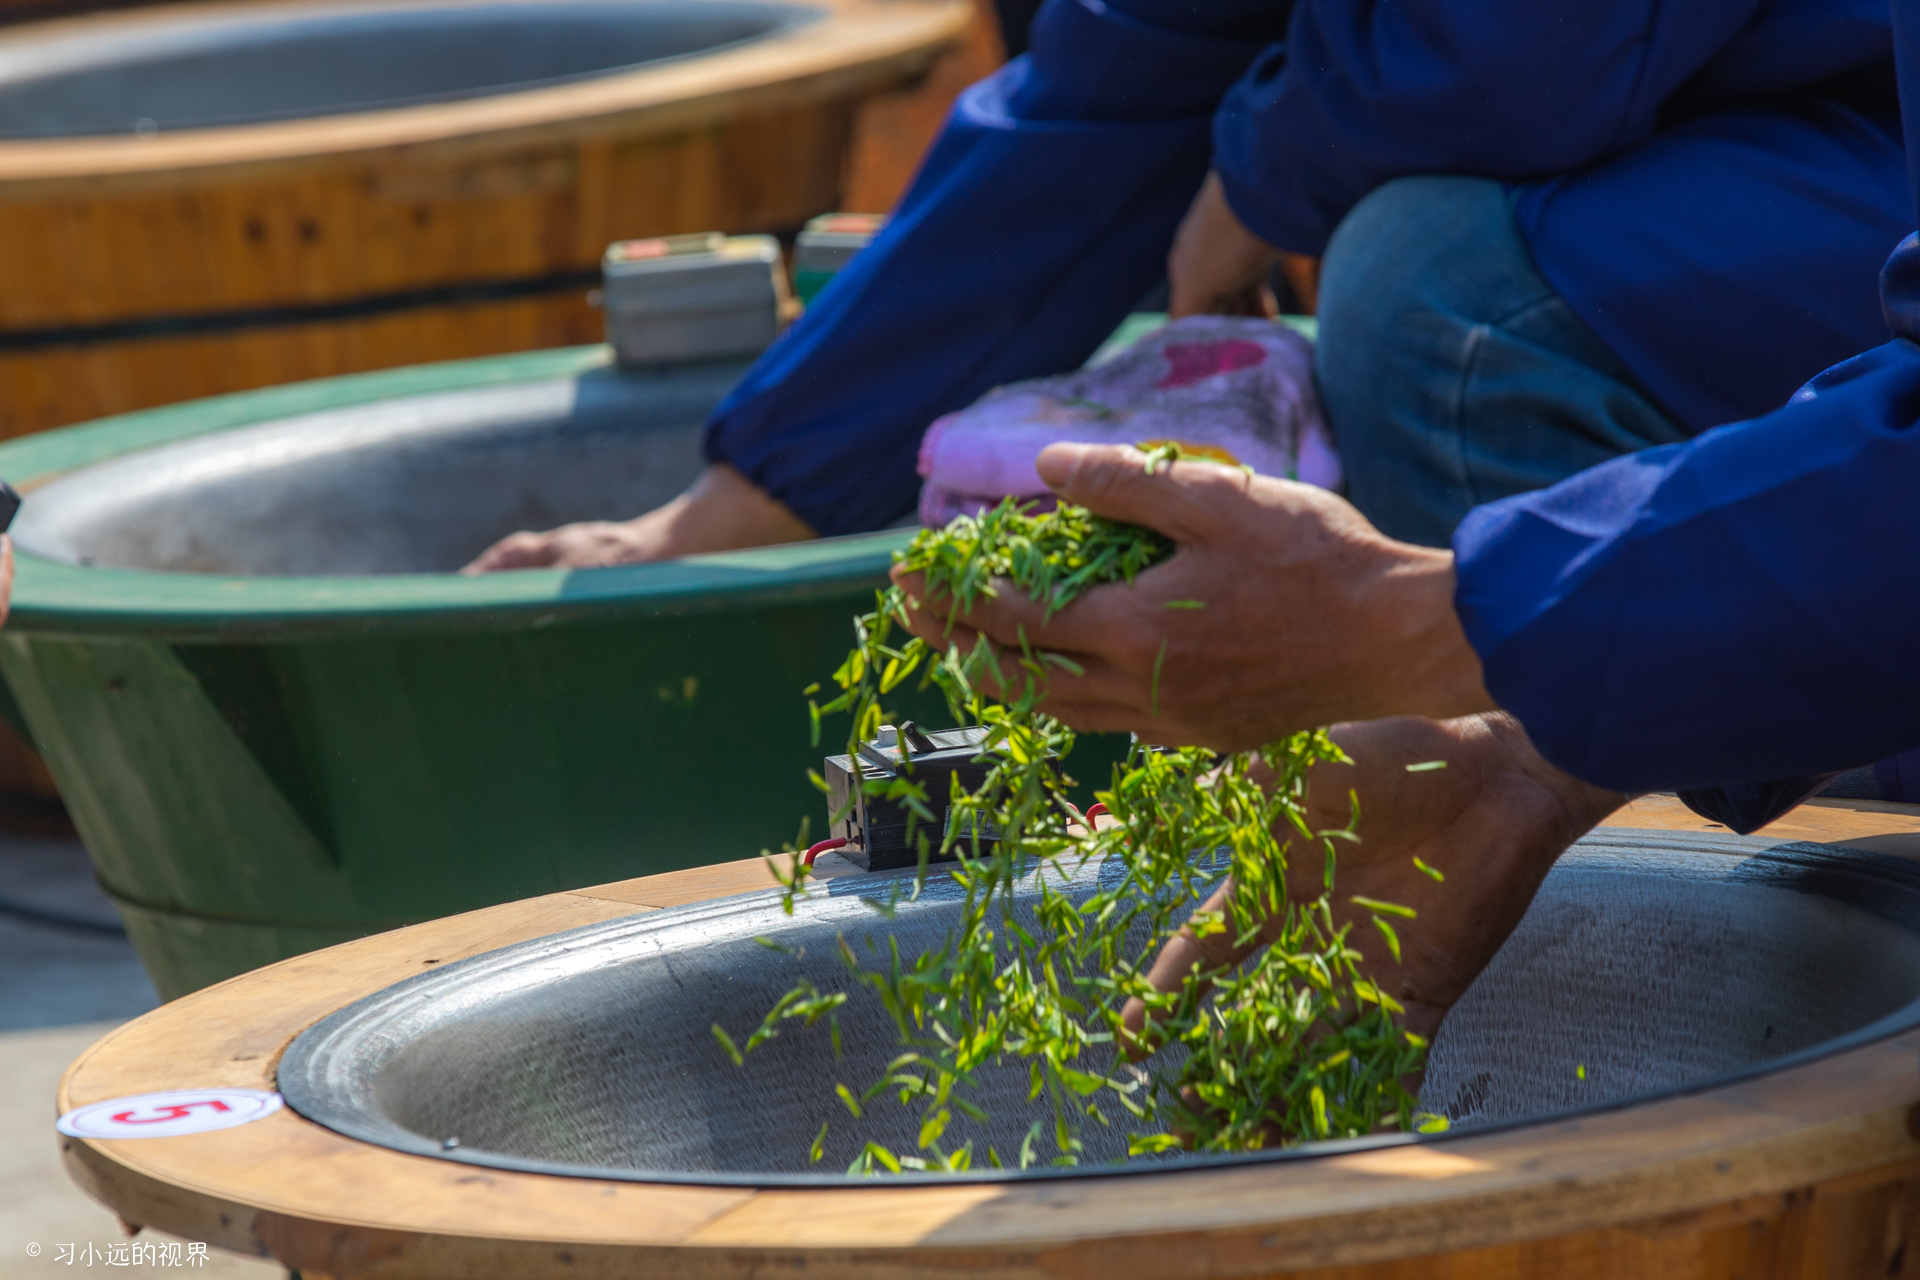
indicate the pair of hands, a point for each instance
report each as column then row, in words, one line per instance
column 1310, row 616
column 1216, row 266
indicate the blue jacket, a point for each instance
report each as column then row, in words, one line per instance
column 1738, row 609
column 1710, row 185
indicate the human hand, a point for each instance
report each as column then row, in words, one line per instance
column 1492, row 822
column 6, row 577
column 722, row 511
column 1281, row 609
column 1216, row 265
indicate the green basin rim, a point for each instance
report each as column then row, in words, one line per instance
column 365, row 925
column 62, row 599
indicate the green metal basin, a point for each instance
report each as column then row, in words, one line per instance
column 280, row 722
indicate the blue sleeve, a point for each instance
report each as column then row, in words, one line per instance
column 1751, row 806
column 1362, row 93
column 1734, row 613
column 1729, row 611
column 1041, row 214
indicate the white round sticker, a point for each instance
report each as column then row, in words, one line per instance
column 168, row 1115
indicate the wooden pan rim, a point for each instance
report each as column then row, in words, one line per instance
column 290, row 1186
column 311, row 1058
column 856, row 46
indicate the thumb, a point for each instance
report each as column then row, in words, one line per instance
column 1111, row 480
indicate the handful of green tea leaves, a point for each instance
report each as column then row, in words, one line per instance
column 1293, row 1045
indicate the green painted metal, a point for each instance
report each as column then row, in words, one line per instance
column 261, row 766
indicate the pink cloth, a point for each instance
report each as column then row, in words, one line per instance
column 1239, row 384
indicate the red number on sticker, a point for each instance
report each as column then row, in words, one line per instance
column 172, row 1111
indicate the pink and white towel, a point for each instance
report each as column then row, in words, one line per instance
column 1239, row 384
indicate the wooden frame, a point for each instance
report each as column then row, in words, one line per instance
column 1812, row 1171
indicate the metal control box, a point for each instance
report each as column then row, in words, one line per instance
column 828, row 244
column 699, row 297
column 879, row 827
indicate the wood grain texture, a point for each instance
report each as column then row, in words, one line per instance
column 695, row 884
column 47, row 388
column 360, row 208
column 893, row 130
column 1874, row 825
column 1812, row 1171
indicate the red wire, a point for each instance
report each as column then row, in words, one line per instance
column 1094, row 811
column 814, row 851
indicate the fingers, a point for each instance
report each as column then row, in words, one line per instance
column 1013, row 625
column 1098, row 694
column 1099, row 628
column 592, row 544
column 515, row 551
column 6, row 577
column 1101, row 697
column 1116, row 625
column 1181, row 501
column 1184, row 952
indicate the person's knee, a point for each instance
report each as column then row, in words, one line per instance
column 1389, row 269
column 1385, row 314
column 1450, row 371
column 1393, row 325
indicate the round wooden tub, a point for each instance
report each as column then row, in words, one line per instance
column 206, row 198
column 1799, row 1160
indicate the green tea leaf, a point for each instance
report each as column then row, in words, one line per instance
column 1393, row 939
column 1385, row 908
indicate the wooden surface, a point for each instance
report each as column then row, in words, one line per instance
column 1855, row 824
column 858, row 47
column 1811, row 1172
column 894, row 129
column 354, row 209
column 58, row 385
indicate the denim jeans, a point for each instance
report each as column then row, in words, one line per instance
column 1451, row 373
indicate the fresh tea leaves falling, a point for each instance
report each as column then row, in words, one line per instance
column 1293, row 1045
